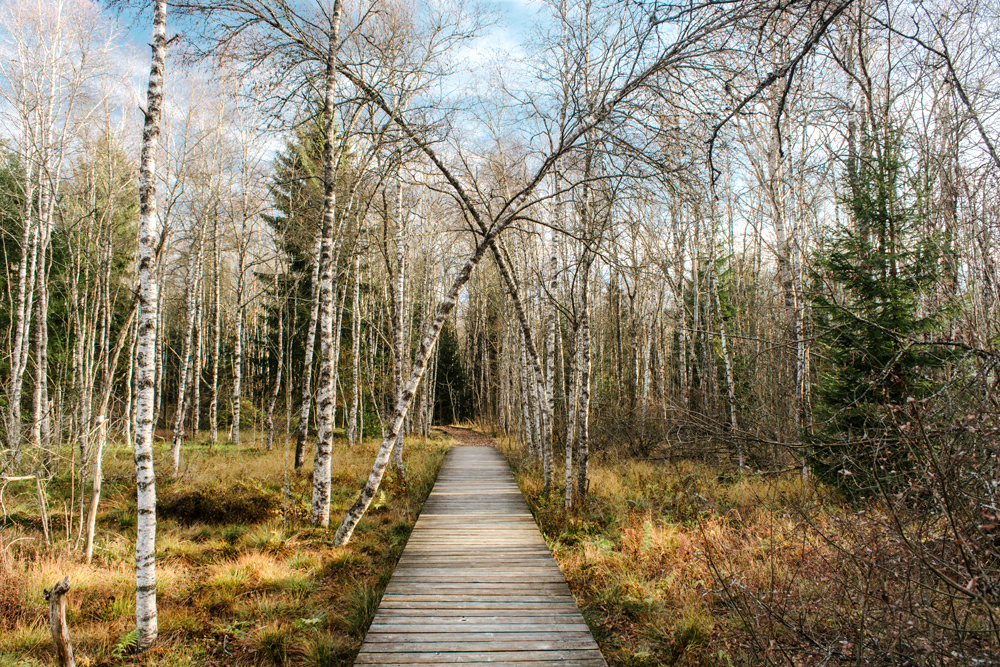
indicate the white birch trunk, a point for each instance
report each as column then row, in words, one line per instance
column 95, row 496
column 352, row 418
column 213, row 404
column 325, row 407
column 730, row 387
column 399, row 294
column 25, row 298
column 529, row 425
column 571, row 417
column 145, row 556
column 199, row 339
column 129, row 391
column 550, row 367
column 277, row 379
column 186, row 372
column 238, row 358
column 583, row 419
column 307, row 367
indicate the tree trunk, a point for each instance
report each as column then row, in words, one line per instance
column 95, row 496
column 307, row 368
column 213, row 404
column 325, row 407
column 199, row 339
column 145, row 557
column 193, row 290
column 40, row 423
column 730, row 385
column 398, row 340
column 550, row 367
column 238, row 362
column 352, row 418
column 529, row 422
column 24, row 308
column 56, row 597
column 360, row 506
column 571, row 417
column 583, row 420
column 277, row 378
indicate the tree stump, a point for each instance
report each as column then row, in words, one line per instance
column 56, row 597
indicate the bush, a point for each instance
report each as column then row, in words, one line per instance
column 243, row 503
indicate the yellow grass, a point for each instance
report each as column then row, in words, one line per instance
column 270, row 592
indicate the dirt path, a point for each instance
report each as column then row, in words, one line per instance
column 468, row 437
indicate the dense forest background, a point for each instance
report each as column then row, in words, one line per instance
column 763, row 236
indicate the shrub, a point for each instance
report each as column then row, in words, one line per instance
column 243, row 503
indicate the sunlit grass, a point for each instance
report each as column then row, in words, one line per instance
column 234, row 592
column 644, row 553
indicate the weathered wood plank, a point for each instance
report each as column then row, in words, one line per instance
column 467, row 645
column 476, row 584
column 505, row 658
column 476, row 628
column 403, row 660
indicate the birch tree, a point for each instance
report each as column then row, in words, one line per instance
column 145, row 558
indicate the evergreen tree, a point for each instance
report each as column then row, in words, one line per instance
column 870, row 304
column 453, row 402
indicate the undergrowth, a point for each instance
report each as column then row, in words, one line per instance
column 242, row 579
column 681, row 563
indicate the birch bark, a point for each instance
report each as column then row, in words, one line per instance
column 145, row 557
column 398, row 297
column 352, row 418
column 278, row 355
column 213, row 404
column 325, row 407
column 300, row 442
column 583, row 354
column 550, row 365
column 183, row 398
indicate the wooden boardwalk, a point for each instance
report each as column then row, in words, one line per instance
column 476, row 584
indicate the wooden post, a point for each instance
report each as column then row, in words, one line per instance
column 57, row 623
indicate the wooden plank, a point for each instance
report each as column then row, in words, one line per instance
column 594, row 662
column 398, row 617
column 505, row 658
column 476, row 583
column 438, row 628
column 468, row 645
column 397, row 660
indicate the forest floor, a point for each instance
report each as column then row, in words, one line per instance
column 646, row 555
column 677, row 562
column 241, row 577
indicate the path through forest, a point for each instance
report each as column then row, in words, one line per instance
column 476, row 584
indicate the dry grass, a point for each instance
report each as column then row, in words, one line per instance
column 684, row 564
column 240, row 588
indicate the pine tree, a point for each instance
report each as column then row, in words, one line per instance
column 872, row 281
